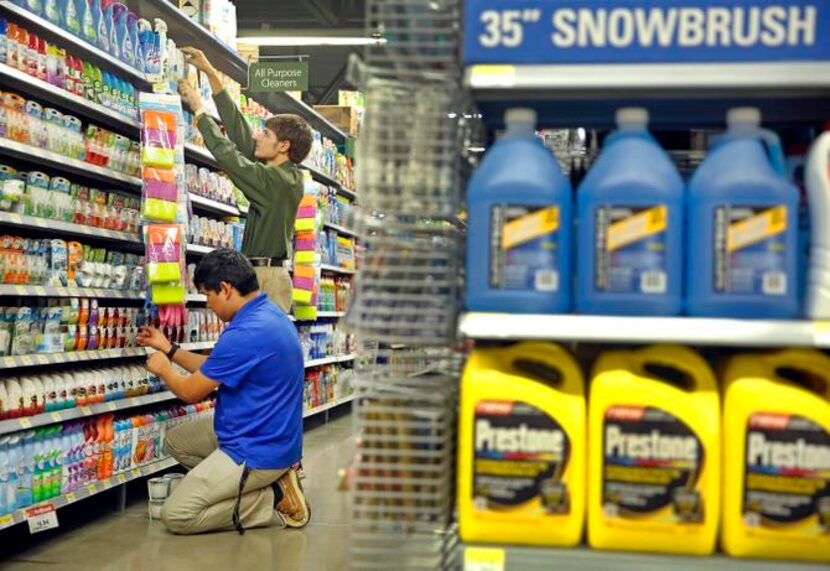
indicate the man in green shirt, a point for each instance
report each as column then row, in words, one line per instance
column 264, row 167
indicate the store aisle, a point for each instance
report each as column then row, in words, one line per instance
column 131, row 542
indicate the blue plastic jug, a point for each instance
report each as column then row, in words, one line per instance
column 630, row 238
column 96, row 12
column 519, row 231
column 743, row 227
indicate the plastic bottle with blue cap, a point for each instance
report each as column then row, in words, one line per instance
column 743, row 226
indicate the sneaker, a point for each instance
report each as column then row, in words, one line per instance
column 290, row 501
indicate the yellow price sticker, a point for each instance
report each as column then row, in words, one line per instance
column 56, row 416
column 26, row 360
column 484, row 559
column 25, row 423
column 136, row 472
column 70, row 497
column 92, row 488
column 42, row 360
column 86, row 410
column 40, row 290
column 121, row 478
column 6, row 520
column 8, row 361
column 821, row 333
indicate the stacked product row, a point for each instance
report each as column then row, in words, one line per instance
column 29, row 395
column 641, row 241
column 670, row 455
column 56, row 198
column 68, row 264
column 28, row 122
column 324, row 340
column 40, row 464
column 215, row 233
column 335, row 293
column 24, row 51
column 325, row 385
column 68, row 325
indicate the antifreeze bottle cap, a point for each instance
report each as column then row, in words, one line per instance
column 520, row 115
column 632, row 117
column 744, row 116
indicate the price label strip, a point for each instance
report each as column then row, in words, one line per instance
column 484, row 559
column 41, row 518
column 821, row 333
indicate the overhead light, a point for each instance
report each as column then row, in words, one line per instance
column 290, row 41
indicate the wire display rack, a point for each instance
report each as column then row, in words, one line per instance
column 406, row 302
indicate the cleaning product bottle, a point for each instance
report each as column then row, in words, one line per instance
column 521, row 476
column 131, row 45
column 654, row 468
column 743, row 227
column 519, row 233
column 119, row 27
column 88, row 30
column 630, row 210
column 71, row 16
column 4, row 405
column 52, row 11
column 96, row 12
column 817, row 179
column 776, row 495
column 147, row 43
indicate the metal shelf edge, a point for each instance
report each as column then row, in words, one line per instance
column 328, row 406
column 69, row 227
column 50, row 291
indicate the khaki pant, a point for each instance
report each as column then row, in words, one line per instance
column 276, row 283
column 205, row 499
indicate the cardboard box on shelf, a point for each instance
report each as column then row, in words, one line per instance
column 344, row 118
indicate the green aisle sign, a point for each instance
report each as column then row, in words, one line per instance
column 270, row 77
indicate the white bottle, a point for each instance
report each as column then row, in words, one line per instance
column 50, row 397
column 15, row 391
column 4, row 412
column 817, row 179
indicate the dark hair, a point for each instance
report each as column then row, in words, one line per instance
column 295, row 130
column 226, row 266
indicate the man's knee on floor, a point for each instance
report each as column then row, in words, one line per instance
column 177, row 520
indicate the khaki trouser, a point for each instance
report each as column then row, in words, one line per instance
column 205, row 499
column 276, row 283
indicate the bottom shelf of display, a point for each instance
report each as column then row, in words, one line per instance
column 89, row 490
column 328, row 406
column 513, row 558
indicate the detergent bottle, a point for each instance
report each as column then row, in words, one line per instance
column 119, row 29
column 96, row 12
column 630, row 211
column 132, row 45
column 817, row 179
column 776, row 495
column 743, row 227
column 654, row 468
column 519, row 232
column 522, row 449
column 52, row 11
column 71, row 18
column 88, row 30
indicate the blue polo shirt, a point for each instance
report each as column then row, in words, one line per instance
column 258, row 362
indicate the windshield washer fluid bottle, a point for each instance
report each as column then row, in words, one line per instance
column 522, row 449
column 817, row 180
column 654, row 468
column 776, row 420
column 519, row 231
column 743, row 227
column 630, row 237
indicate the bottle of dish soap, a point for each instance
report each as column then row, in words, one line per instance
column 519, row 232
column 817, row 180
column 630, row 211
column 776, row 421
column 743, row 227
column 521, row 476
column 654, row 468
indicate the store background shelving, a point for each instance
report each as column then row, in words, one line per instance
column 184, row 32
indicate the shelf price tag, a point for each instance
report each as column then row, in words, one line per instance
column 42, row 360
column 122, row 479
column 71, row 497
column 6, row 520
column 484, row 559
column 135, row 472
column 26, row 360
column 821, row 333
column 41, row 518
column 25, row 423
column 91, row 488
column 86, row 410
column 56, row 416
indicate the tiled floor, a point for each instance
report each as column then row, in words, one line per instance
column 131, row 542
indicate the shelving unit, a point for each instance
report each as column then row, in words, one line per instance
column 43, row 359
column 330, row 361
column 328, row 406
column 213, row 205
column 685, row 330
column 325, row 179
column 65, row 164
column 50, row 291
column 337, row 270
column 341, row 230
column 34, row 223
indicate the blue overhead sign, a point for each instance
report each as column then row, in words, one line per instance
column 650, row 31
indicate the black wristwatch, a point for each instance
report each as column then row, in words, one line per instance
column 173, row 348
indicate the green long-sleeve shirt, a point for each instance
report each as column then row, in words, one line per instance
column 274, row 192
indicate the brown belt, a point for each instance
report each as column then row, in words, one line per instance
column 267, row 262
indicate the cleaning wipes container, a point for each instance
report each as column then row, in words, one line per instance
column 630, row 240
column 777, row 456
column 521, row 460
column 654, row 468
column 519, row 231
column 743, row 227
